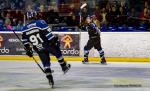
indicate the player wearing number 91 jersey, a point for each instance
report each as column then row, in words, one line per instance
column 38, row 36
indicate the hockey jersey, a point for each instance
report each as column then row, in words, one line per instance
column 38, row 34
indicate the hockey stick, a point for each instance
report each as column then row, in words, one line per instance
column 80, row 13
column 26, row 50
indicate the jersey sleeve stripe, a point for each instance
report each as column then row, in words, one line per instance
column 48, row 34
column 36, row 28
column 50, row 37
column 45, row 28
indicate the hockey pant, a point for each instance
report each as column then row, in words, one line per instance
column 96, row 43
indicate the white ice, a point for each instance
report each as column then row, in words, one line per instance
column 26, row 76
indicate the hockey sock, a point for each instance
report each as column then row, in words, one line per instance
column 86, row 53
column 61, row 62
column 101, row 53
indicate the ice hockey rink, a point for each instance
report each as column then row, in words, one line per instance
column 26, row 76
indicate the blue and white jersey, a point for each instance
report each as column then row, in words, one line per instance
column 37, row 33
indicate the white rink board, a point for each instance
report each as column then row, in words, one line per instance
column 121, row 44
column 117, row 44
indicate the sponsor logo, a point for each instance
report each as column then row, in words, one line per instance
column 72, row 52
column 68, row 48
column 4, row 50
column 13, row 40
column 20, row 49
column 67, row 40
column 1, row 40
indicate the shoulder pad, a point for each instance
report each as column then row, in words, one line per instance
column 42, row 24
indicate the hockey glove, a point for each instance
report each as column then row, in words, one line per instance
column 29, row 53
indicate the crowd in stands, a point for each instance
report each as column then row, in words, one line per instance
column 109, row 15
column 11, row 20
column 122, row 15
column 12, row 4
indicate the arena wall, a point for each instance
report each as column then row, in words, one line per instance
column 118, row 46
column 121, row 44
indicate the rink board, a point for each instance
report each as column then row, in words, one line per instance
column 118, row 46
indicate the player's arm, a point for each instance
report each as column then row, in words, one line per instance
column 27, row 46
column 95, row 27
column 48, row 33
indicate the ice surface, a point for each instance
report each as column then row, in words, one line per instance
column 26, row 76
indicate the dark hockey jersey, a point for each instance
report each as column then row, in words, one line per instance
column 38, row 34
column 93, row 31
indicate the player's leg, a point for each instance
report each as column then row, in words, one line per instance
column 44, row 56
column 97, row 45
column 86, row 51
column 55, row 50
column 101, row 53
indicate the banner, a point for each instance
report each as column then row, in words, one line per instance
column 69, row 44
column 10, row 45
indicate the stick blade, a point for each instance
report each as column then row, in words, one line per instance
column 83, row 5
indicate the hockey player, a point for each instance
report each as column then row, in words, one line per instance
column 94, row 40
column 38, row 36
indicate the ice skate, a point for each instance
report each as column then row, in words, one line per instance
column 85, row 61
column 49, row 76
column 66, row 68
column 103, row 62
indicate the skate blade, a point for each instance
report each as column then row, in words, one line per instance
column 51, row 85
column 85, row 62
column 104, row 63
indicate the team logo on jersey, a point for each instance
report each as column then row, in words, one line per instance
column 67, row 40
column 1, row 40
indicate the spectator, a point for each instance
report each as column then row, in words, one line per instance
column 19, row 25
column 147, row 10
column 103, row 14
column 146, row 15
column 98, row 13
column 71, row 18
column 42, row 9
column 8, row 21
column 2, row 5
column 132, row 13
column 122, row 14
column 2, row 19
column 132, row 19
column 29, row 8
column 114, row 14
column 96, row 21
column 108, row 13
column 52, row 15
